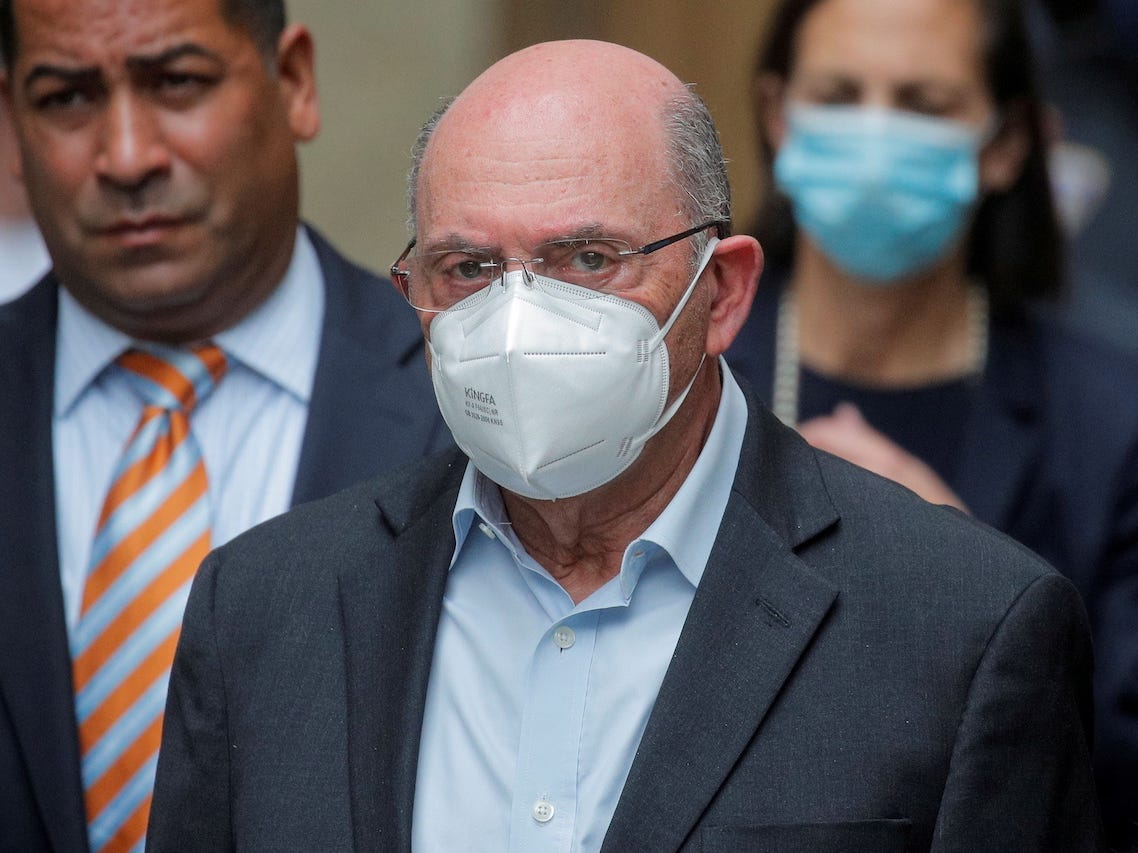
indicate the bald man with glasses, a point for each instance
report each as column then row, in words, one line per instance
column 633, row 612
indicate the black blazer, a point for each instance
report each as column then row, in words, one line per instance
column 859, row 670
column 371, row 407
column 1050, row 457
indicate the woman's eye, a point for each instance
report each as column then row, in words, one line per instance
column 841, row 98
column 833, row 93
column 933, row 99
column 928, row 108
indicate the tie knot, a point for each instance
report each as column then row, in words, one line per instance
column 172, row 378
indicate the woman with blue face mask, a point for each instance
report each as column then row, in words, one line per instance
column 912, row 248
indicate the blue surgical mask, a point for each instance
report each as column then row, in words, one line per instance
column 883, row 193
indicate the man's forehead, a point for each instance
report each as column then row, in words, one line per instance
column 554, row 153
column 540, row 143
column 519, row 203
column 544, row 133
column 97, row 32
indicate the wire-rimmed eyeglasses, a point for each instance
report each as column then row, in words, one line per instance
column 436, row 281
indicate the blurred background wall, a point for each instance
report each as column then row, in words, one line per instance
column 383, row 66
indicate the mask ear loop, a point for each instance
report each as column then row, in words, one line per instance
column 667, row 414
column 704, row 260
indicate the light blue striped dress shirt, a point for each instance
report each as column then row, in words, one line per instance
column 536, row 706
column 250, row 428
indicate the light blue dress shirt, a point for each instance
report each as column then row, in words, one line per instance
column 535, row 705
column 23, row 257
column 250, row 428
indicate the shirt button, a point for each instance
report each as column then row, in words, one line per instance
column 564, row 637
column 543, row 811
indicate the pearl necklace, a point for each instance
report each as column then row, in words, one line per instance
column 787, row 370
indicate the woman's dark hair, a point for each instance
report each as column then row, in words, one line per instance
column 1015, row 244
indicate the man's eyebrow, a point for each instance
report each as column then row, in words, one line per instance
column 90, row 74
column 171, row 54
column 454, row 242
column 583, row 231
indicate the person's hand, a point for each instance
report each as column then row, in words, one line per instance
column 847, row 434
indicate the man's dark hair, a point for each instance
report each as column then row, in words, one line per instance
column 1014, row 243
column 263, row 20
column 7, row 33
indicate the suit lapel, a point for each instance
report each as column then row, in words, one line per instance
column 1003, row 435
column 371, row 407
column 391, row 615
column 35, row 666
column 758, row 603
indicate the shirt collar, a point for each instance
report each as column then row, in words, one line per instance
column 685, row 530
column 479, row 505
column 84, row 346
column 279, row 340
column 687, row 527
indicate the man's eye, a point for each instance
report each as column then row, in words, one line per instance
column 175, row 81
column 455, row 267
column 590, row 260
column 62, row 99
column 469, row 269
column 582, row 256
column 181, row 85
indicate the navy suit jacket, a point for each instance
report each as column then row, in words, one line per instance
column 371, row 407
column 859, row 671
column 1050, row 457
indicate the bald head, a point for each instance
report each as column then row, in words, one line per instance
column 610, row 110
column 572, row 74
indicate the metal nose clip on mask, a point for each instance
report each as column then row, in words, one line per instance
column 550, row 388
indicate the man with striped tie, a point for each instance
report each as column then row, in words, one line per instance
column 196, row 362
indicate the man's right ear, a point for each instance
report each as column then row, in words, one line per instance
column 733, row 273
column 296, row 70
column 769, row 91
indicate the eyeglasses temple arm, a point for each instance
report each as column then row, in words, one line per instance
column 722, row 231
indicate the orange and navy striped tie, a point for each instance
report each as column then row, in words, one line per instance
column 151, row 535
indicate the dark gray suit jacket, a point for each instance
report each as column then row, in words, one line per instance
column 1049, row 455
column 859, row 671
column 372, row 408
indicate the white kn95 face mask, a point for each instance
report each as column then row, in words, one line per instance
column 552, row 389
